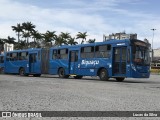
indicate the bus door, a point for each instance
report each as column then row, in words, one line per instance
column 119, row 61
column 73, row 62
column 32, row 62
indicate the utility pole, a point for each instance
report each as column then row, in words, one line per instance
column 152, row 44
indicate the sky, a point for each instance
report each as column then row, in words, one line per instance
column 96, row 17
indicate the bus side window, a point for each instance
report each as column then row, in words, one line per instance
column 87, row 52
column 82, row 53
column 54, row 55
column 11, row 57
column 1, row 59
column 20, row 57
column 23, row 56
column 63, row 54
column 14, row 56
column 7, row 57
column 103, row 51
column 33, row 58
column 27, row 55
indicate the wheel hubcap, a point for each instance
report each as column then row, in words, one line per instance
column 102, row 74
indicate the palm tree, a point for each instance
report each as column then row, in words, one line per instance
column 18, row 30
column 21, row 45
column 91, row 40
column 25, row 36
column 1, row 41
column 62, row 38
column 49, row 37
column 10, row 40
column 82, row 36
column 59, row 40
column 65, row 36
column 71, row 41
column 36, row 37
column 1, row 45
column 28, row 28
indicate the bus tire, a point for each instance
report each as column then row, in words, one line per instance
column 103, row 74
column 61, row 73
column 120, row 79
column 22, row 72
column 78, row 77
column 2, row 70
column 37, row 75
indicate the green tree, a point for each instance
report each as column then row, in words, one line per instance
column 59, row 40
column 1, row 41
column 62, row 38
column 10, row 40
column 28, row 28
column 71, row 41
column 91, row 40
column 37, row 37
column 49, row 37
column 82, row 36
column 65, row 36
column 21, row 45
column 25, row 36
column 1, row 45
column 18, row 30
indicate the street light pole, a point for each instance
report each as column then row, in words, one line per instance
column 152, row 43
column 153, row 36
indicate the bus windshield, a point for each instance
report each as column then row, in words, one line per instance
column 141, row 55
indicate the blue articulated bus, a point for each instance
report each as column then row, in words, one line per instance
column 1, row 63
column 110, row 59
column 117, row 59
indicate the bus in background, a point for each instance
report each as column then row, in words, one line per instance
column 1, row 64
column 23, row 62
column 117, row 59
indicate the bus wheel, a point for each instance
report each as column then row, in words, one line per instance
column 1, row 70
column 37, row 75
column 22, row 72
column 78, row 77
column 61, row 73
column 120, row 79
column 103, row 75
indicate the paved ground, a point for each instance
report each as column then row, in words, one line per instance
column 51, row 93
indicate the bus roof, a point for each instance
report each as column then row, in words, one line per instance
column 112, row 41
column 31, row 49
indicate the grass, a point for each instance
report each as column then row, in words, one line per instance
column 155, row 71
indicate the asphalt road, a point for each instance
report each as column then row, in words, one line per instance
column 50, row 93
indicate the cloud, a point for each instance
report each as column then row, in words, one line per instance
column 50, row 19
column 97, row 17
